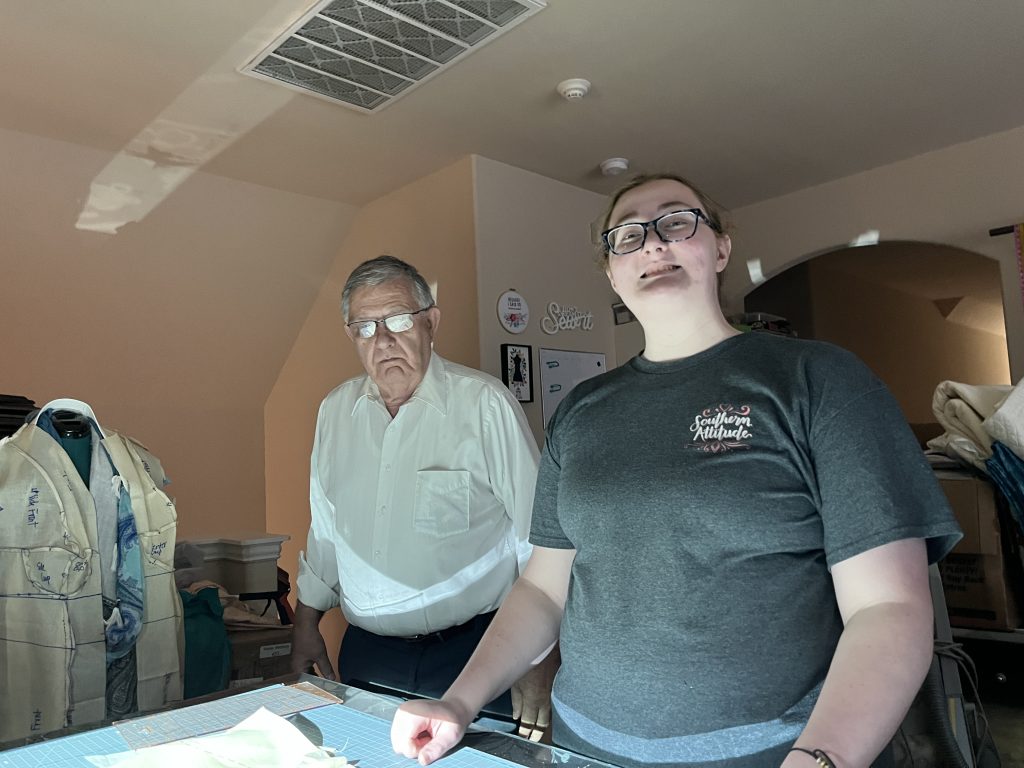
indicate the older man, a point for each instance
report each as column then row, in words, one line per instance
column 421, row 488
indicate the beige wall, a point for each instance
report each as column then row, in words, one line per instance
column 428, row 223
column 174, row 328
column 903, row 338
column 629, row 340
column 952, row 196
column 533, row 235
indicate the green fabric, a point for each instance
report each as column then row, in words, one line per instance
column 80, row 451
column 207, row 649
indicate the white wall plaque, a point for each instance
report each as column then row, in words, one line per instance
column 513, row 312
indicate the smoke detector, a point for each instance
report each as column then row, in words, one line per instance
column 614, row 166
column 573, row 88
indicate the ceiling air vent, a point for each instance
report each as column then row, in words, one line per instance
column 366, row 53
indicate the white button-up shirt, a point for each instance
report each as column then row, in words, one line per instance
column 419, row 522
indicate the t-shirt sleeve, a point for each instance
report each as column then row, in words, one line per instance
column 875, row 484
column 545, row 528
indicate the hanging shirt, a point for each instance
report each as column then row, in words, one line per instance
column 421, row 521
column 82, row 638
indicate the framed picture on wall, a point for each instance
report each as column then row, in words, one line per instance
column 517, row 371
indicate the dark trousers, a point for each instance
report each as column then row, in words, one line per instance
column 423, row 666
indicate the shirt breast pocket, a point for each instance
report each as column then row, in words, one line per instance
column 442, row 502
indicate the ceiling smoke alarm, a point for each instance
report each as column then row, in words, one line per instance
column 613, row 166
column 573, row 88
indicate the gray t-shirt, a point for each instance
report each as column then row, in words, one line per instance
column 706, row 499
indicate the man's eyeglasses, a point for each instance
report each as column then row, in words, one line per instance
column 672, row 227
column 367, row 329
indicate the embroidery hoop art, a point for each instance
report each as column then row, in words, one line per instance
column 513, row 311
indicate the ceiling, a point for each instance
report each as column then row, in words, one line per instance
column 752, row 98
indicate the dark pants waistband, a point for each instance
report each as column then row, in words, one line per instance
column 441, row 635
column 417, row 667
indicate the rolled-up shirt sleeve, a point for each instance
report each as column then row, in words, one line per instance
column 318, row 584
column 512, row 458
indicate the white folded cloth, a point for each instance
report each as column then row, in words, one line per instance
column 262, row 740
column 961, row 409
column 1006, row 425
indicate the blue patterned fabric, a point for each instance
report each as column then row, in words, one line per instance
column 124, row 626
column 121, row 636
column 1006, row 469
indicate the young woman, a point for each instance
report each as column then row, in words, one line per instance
column 732, row 535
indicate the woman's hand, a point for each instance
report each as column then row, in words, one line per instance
column 425, row 729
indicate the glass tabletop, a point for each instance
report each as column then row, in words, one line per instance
column 491, row 736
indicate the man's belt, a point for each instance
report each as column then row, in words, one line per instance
column 447, row 634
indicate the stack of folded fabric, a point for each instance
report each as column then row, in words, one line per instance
column 1006, row 466
column 962, row 409
column 985, row 430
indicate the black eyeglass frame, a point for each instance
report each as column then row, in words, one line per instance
column 699, row 216
column 383, row 321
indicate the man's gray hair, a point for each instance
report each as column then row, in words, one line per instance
column 384, row 269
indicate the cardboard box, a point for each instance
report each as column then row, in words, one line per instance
column 260, row 654
column 980, row 577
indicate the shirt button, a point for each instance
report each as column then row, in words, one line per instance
column 387, row 467
column 376, row 553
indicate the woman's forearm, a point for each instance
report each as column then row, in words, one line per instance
column 521, row 634
column 881, row 660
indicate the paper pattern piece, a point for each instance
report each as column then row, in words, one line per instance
column 262, row 740
column 218, row 715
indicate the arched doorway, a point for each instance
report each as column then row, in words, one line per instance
column 916, row 313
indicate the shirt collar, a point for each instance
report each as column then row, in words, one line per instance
column 67, row 404
column 433, row 390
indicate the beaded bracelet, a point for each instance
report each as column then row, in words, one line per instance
column 823, row 759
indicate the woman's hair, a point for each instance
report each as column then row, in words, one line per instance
column 714, row 211
column 384, row 269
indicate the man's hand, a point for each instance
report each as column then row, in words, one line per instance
column 308, row 647
column 425, row 729
column 531, row 697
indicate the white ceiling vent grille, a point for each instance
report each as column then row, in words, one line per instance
column 366, row 53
